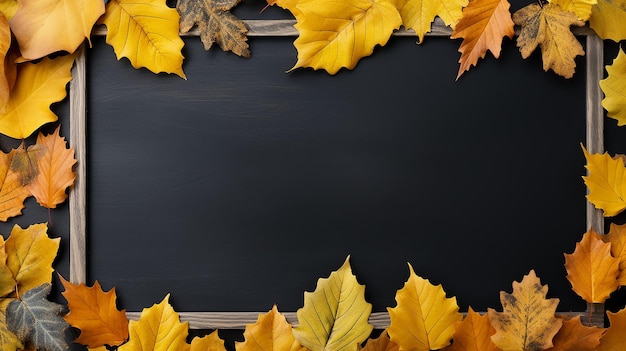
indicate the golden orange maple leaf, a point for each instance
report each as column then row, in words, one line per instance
column 419, row 14
column 482, row 27
column 606, row 181
column 12, row 193
column 548, row 26
column 381, row 343
column 271, row 332
column 473, row 334
column 614, row 89
column 211, row 342
column 613, row 338
column 574, row 336
column 55, row 170
column 527, row 320
column 95, row 313
column 617, row 237
column 608, row 18
column 43, row 27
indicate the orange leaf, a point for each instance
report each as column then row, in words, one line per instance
column 12, row 194
column 613, row 339
column 574, row 336
column 55, row 170
column 211, row 342
column 473, row 334
column 482, row 27
column 271, row 332
column 617, row 238
column 381, row 343
column 591, row 269
column 94, row 312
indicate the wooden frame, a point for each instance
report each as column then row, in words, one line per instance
column 265, row 28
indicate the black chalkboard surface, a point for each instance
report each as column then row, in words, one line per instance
column 238, row 188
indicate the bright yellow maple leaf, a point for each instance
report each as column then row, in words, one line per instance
column 334, row 316
column 617, row 237
column 37, row 87
column 606, row 181
column 147, row 33
column 30, row 255
column 614, row 89
column 527, row 320
column 419, row 14
column 271, row 332
column 12, row 193
column 158, row 329
column 8, row 340
column 337, row 34
column 608, row 18
column 574, row 336
column 7, row 282
column 582, row 8
column 591, row 269
column 473, row 334
column 43, row 27
column 613, row 338
column 548, row 26
column 482, row 27
column 424, row 317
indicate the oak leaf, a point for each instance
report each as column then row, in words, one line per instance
column 158, row 329
column 146, row 33
column 94, row 312
column 216, row 24
column 574, row 336
column 211, row 342
column 614, row 89
column 606, row 181
column 617, row 237
column 43, row 27
column 12, row 193
column 482, row 27
column 419, row 14
column 38, row 86
column 334, row 316
column 271, row 332
column 8, row 340
column 424, row 318
column 613, row 338
column 25, row 162
column 527, row 320
column 55, row 170
column 336, row 34
column 473, row 334
column 582, row 8
column 608, row 18
column 381, row 343
column 548, row 26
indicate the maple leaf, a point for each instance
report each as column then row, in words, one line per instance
column 606, row 181
column 582, row 8
column 55, row 170
column 473, row 334
column 8, row 340
column 617, row 237
column 271, row 332
column 334, row 316
column 614, row 89
column 146, row 33
column 25, row 162
column 549, row 27
column 381, row 343
column 482, row 27
column 12, row 193
column 607, row 19
column 158, row 329
column 216, row 24
column 38, row 320
column 94, row 312
column 574, row 336
column 43, row 27
column 211, row 342
column 354, row 29
column 424, row 317
column 38, row 86
column 30, row 255
column 528, row 320
column 613, row 338
column 419, row 14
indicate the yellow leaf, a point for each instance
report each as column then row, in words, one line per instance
column 12, row 193
column 158, row 329
column 574, row 336
column 608, row 18
column 528, row 320
column 582, row 8
column 549, row 26
column 613, row 339
column 335, row 316
column 614, row 89
column 473, row 334
column 7, row 282
column 6, row 68
column 43, row 27
column 8, row 8
column 591, row 269
column 606, row 181
column 336, row 34
column 30, row 255
column 8, row 340
column 482, row 27
column 419, row 14
column 211, row 342
column 55, row 170
column 37, row 87
column 145, row 32
column 271, row 332
column 617, row 237
column 424, row 318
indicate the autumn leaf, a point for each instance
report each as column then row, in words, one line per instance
column 381, row 343
column 606, row 181
column 290, row 5
column 424, row 317
column 335, row 316
column 8, row 8
column 55, row 170
column 33, row 318
column 617, row 237
column 527, row 320
column 25, row 162
column 608, row 18
column 38, row 86
column 30, row 255
column 5, row 67
column 614, row 89
column 482, row 27
column 473, row 334
column 158, row 329
column 419, row 14
column 271, row 332
column 216, row 24
column 7, row 282
column 8, row 340
column 146, row 33
column 574, row 336
column 582, row 8
column 613, row 338
column 357, row 26
column 549, row 27
column 211, row 342
column 12, row 193
column 43, row 27
column 95, row 313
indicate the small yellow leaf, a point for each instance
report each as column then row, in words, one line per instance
column 582, row 8
column 419, row 14
column 211, row 342
column 271, row 332
column 617, row 237
column 12, row 193
column 424, row 318
column 608, row 18
column 7, row 282
column 145, row 32
column 606, row 182
column 614, row 89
